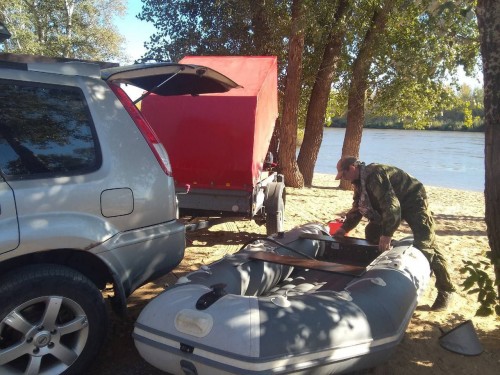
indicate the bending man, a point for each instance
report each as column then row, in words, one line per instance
column 385, row 195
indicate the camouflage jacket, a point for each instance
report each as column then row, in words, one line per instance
column 390, row 191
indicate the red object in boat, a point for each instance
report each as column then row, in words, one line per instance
column 334, row 225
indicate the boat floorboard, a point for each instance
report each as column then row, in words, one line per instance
column 308, row 263
column 346, row 241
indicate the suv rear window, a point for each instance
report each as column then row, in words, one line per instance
column 45, row 129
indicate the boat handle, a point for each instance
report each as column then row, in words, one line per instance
column 211, row 297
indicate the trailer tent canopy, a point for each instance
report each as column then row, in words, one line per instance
column 219, row 141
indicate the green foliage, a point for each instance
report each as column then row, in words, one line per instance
column 457, row 111
column 201, row 27
column 425, row 43
column 468, row 122
column 336, row 107
column 80, row 29
column 479, row 282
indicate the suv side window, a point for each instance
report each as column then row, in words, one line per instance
column 45, row 130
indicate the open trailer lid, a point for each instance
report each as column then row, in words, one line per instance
column 170, row 78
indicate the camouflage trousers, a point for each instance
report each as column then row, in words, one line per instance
column 420, row 220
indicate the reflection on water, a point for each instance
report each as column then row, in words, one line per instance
column 445, row 159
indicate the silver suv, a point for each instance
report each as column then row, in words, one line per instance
column 87, row 203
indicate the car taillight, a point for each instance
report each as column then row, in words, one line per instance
column 146, row 130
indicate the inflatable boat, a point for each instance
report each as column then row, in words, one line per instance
column 296, row 302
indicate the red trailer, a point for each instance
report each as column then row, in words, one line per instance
column 219, row 143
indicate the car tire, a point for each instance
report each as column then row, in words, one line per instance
column 53, row 320
column 274, row 223
column 275, row 208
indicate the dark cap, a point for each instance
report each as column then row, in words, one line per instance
column 343, row 165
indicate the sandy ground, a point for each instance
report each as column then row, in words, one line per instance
column 461, row 232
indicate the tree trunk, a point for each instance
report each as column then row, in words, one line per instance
column 260, row 22
column 288, row 124
column 355, row 121
column 488, row 16
column 359, row 84
column 69, row 7
column 313, row 133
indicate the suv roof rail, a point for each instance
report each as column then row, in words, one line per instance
column 29, row 59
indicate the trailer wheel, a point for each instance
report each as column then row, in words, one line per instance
column 275, row 207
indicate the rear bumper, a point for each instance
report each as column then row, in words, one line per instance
column 139, row 256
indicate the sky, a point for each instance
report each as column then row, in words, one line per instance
column 473, row 82
column 137, row 32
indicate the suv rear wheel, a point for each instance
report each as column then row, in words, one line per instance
column 54, row 321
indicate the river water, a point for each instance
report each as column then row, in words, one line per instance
column 437, row 158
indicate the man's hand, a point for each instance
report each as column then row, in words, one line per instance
column 339, row 233
column 384, row 243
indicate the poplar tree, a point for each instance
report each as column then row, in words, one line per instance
column 81, row 29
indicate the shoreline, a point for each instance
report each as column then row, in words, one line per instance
column 331, row 176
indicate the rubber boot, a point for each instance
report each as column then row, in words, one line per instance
column 443, row 301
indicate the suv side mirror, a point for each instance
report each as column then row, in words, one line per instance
column 4, row 33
